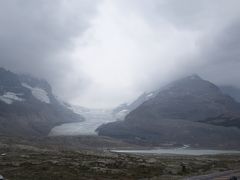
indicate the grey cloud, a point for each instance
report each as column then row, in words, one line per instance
column 217, row 22
column 224, row 45
column 36, row 35
column 186, row 14
column 221, row 52
column 197, row 14
column 144, row 43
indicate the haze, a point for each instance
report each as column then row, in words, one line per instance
column 101, row 53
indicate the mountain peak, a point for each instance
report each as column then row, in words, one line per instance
column 190, row 78
column 28, row 106
column 194, row 77
column 189, row 107
column 193, row 84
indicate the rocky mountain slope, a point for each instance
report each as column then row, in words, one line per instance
column 28, row 106
column 232, row 91
column 122, row 110
column 185, row 111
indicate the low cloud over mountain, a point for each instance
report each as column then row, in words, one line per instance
column 121, row 48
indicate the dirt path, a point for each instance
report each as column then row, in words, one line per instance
column 217, row 176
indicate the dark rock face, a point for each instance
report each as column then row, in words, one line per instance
column 28, row 106
column 121, row 111
column 190, row 98
column 179, row 113
column 139, row 101
column 232, row 91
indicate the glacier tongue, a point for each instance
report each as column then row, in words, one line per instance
column 94, row 118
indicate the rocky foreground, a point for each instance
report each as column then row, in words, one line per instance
column 23, row 160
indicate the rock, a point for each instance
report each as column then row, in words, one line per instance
column 151, row 161
column 25, row 156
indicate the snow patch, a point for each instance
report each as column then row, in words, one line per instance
column 10, row 97
column 150, row 95
column 38, row 93
column 122, row 114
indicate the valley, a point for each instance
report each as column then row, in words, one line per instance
column 119, row 90
column 93, row 119
column 187, row 128
column 53, row 159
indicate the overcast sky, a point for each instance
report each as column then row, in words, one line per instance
column 101, row 53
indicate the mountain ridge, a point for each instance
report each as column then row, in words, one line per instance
column 28, row 106
column 190, row 100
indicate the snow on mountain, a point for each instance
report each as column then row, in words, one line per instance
column 38, row 93
column 10, row 97
column 149, row 95
column 194, row 109
column 123, row 110
column 25, row 106
column 121, row 114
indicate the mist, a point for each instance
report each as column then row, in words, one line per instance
column 103, row 53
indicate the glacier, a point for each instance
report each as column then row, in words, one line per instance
column 93, row 119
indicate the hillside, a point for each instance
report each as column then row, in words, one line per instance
column 28, row 106
column 180, row 113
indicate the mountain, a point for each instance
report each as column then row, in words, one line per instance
column 28, row 106
column 232, row 91
column 121, row 111
column 185, row 111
